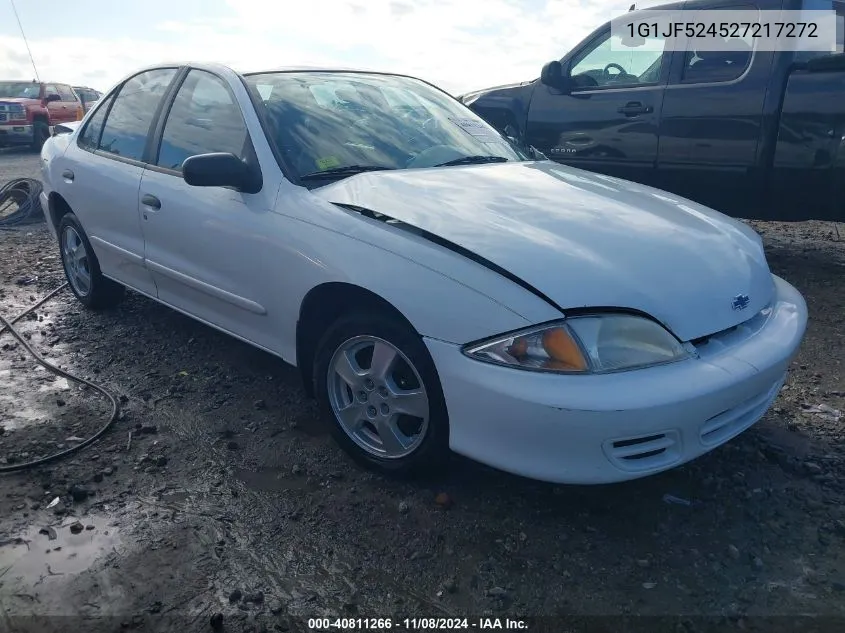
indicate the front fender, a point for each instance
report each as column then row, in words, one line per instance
column 444, row 295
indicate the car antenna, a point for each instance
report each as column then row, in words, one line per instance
column 20, row 26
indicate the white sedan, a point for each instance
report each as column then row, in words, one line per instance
column 438, row 288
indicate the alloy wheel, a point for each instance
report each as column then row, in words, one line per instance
column 378, row 397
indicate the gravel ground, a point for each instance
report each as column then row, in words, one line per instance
column 219, row 500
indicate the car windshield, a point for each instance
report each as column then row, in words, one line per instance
column 19, row 90
column 327, row 124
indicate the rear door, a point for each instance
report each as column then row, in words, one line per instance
column 608, row 121
column 712, row 122
column 102, row 172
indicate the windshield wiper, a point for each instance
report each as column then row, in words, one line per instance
column 473, row 160
column 346, row 170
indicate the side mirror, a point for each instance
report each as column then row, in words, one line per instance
column 220, row 170
column 52, row 97
column 552, row 75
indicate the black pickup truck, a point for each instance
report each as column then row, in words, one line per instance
column 753, row 133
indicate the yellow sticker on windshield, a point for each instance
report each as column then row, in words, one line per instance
column 328, row 162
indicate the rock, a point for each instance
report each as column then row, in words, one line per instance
column 2, row 430
column 76, row 528
column 733, row 552
column 233, row 446
column 217, row 622
column 277, row 607
column 450, row 585
column 813, row 468
column 90, row 528
column 60, row 402
column 259, row 404
column 297, row 469
column 161, row 462
column 404, row 507
column 256, row 597
column 108, row 471
column 236, row 596
column 78, row 493
column 443, row 500
column 498, row 593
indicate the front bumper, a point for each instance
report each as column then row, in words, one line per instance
column 614, row 427
column 15, row 134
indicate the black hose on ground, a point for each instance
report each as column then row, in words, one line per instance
column 20, row 203
column 9, row 325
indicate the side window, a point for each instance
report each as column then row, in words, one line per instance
column 51, row 89
column 204, row 118
column 128, row 124
column 66, row 93
column 90, row 136
column 826, row 5
column 711, row 66
column 611, row 64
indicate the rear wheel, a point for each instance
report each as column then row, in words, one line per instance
column 82, row 268
column 40, row 133
column 380, row 393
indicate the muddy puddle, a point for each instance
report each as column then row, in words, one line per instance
column 54, row 552
column 274, row 480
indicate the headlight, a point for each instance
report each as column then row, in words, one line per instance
column 584, row 344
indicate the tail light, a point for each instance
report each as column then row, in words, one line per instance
column 79, row 113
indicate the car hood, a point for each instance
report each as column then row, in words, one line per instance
column 583, row 239
column 477, row 93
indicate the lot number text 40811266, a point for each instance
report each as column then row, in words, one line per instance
column 416, row 624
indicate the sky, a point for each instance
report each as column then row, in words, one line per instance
column 460, row 45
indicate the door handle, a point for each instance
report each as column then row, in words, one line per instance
column 634, row 108
column 151, row 201
column 67, row 174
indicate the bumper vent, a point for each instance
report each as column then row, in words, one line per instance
column 645, row 452
column 722, row 427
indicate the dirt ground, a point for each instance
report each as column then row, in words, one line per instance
column 219, row 500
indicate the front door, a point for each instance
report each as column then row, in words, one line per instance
column 206, row 246
column 58, row 114
column 70, row 104
column 607, row 119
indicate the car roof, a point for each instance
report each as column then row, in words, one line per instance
column 224, row 69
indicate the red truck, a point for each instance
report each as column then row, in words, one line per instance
column 29, row 109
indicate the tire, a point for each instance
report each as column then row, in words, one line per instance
column 428, row 448
column 99, row 292
column 40, row 134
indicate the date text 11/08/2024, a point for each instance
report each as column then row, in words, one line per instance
column 415, row 624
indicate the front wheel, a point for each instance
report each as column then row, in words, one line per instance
column 82, row 268
column 380, row 393
column 40, row 134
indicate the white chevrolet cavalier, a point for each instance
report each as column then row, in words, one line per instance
column 438, row 288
